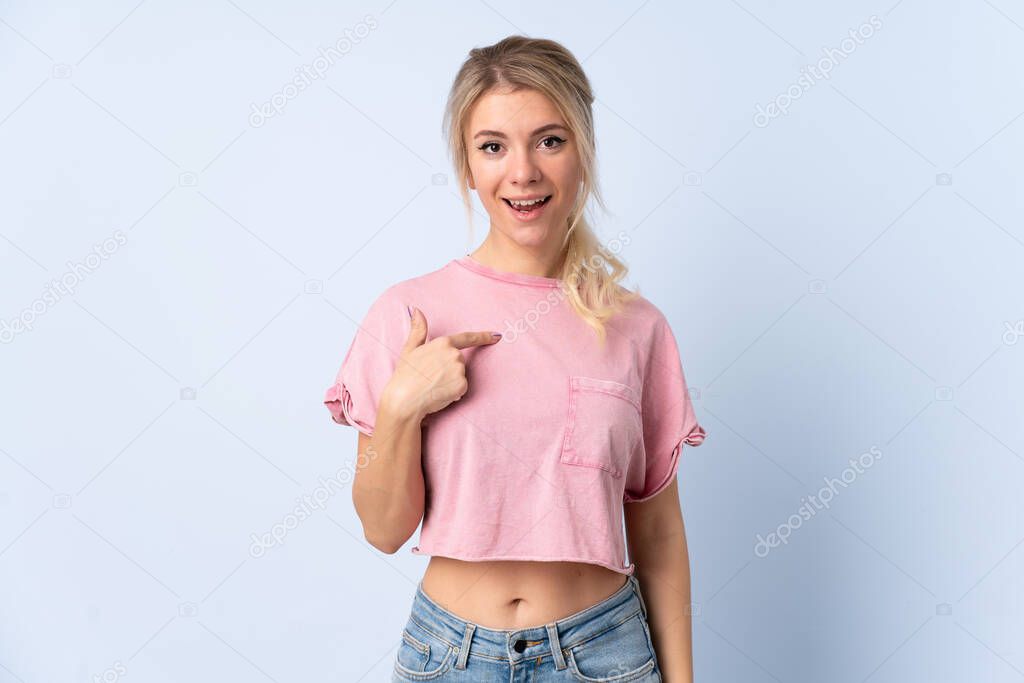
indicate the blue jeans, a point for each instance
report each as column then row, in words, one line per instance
column 609, row 642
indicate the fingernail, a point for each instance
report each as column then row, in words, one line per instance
column 496, row 334
column 407, row 308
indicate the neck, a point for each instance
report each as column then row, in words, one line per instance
column 516, row 259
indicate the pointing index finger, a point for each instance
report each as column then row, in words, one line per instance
column 462, row 340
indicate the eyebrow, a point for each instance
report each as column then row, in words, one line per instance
column 499, row 134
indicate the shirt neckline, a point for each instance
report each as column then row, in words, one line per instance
column 472, row 264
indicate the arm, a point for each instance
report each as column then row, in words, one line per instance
column 388, row 489
column 656, row 540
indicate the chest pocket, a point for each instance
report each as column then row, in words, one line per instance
column 604, row 426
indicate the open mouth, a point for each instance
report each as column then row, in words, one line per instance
column 530, row 210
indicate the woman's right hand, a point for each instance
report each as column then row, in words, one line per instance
column 431, row 374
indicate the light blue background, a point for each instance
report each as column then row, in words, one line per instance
column 829, row 293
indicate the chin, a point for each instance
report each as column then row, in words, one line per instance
column 528, row 235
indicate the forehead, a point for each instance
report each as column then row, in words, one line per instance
column 513, row 113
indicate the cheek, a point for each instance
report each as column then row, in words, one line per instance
column 486, row 178
column 565, row 171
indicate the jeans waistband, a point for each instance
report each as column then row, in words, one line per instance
column 550, row 638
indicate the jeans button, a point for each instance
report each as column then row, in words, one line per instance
column 520, row 645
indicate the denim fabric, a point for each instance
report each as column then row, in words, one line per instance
column 609, row 642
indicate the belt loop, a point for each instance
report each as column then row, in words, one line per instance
column 467, row 638
column 556, row 646
column 640, row 595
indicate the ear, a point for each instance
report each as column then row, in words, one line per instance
column 472, row 185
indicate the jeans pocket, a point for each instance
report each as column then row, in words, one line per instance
column 421, row 655
column 603, row 425
column 620, row 654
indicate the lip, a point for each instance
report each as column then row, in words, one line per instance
column 534, row 215
column 526, row 199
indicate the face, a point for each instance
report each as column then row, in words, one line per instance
column 519, row 148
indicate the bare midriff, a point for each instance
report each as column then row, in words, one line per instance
column 504, row 594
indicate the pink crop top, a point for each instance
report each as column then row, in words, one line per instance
column 554, row 433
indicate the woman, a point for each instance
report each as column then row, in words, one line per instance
column 514, row 400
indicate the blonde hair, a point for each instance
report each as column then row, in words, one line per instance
column 517, row 63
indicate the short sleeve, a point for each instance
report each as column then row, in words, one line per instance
column 669, row 420
column 369, row 363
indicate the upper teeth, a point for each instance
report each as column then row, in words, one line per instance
column 526, row 203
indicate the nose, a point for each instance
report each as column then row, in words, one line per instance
column 523, row 169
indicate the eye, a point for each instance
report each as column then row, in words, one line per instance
column 486, row 147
